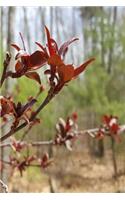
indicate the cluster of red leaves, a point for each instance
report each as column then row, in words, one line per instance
column 17, row 146
column 45, row 161
column 110, row 126
column 26, row 64
column 17, row 111
column 58, row 73
column 66, row 131
column 22, row 163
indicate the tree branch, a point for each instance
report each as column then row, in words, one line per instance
column 44, row 103
column 92, row 132
column 4, row 186
column 34, row 144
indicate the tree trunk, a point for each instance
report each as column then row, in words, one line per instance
column 27, row 28
column 102, row 39
column 57, row 23
column 114, row 158
column 42, row 11
column 8, row 86
column 112, row 41
column 51, row 19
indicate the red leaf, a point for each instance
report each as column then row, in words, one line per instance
column 64, row 47
column 37, row 59
column 7, row 106
column 16, row 47
column 66, row 72
column 45, row 161
column 106, row 119
column 33, row 75
column 40, row 46
column 55, row 60
column 80, row 69
column 18, row 66
column 45, row 157
column 52, row 46
column 18, row 146
column 114, row 128
column 22, row 54
column 74, row 116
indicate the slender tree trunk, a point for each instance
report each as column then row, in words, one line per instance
column 102, row 39
column 51, row 19
column 109, row 70
column 57, row 23
column 62, row 23
column 1, row 28
column 8, row 85
column 42, row 21
column 112, row 43
column 114, row 158
column 27, row 28
column 73, row 32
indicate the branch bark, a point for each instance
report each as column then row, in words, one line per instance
column 90, row 132
column 4, row 186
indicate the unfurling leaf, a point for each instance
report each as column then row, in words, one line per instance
column 16, row 47
column 82, row 67
column 64, row 47
column 33, row 75
column 45, row 161
column 37, row 60
column 19, row 67
column 52, row 46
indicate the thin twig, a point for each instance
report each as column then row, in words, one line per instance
column 92, row 132
column 22, row 41
column 4, row 186
column 5, row 64
column 39, row 143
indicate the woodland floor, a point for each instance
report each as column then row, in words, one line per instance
column 75, row 171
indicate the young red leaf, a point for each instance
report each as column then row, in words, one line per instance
column 52, row 46
column 80, row 69
column 19, row 66
column 37, row 59
column 114, row 128
column 7, row 106
column 66, row 72
column 55, row 60
column 40, row 46
column 75, row 116
column 33, row 75
column 106, row 119
column 16, row 47
column 45, row 161
column 64, row 47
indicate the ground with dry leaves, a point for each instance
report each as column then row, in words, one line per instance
column 74, row 171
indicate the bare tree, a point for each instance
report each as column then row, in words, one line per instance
column 27, row 28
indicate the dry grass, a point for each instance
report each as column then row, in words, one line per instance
column 75, row 171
